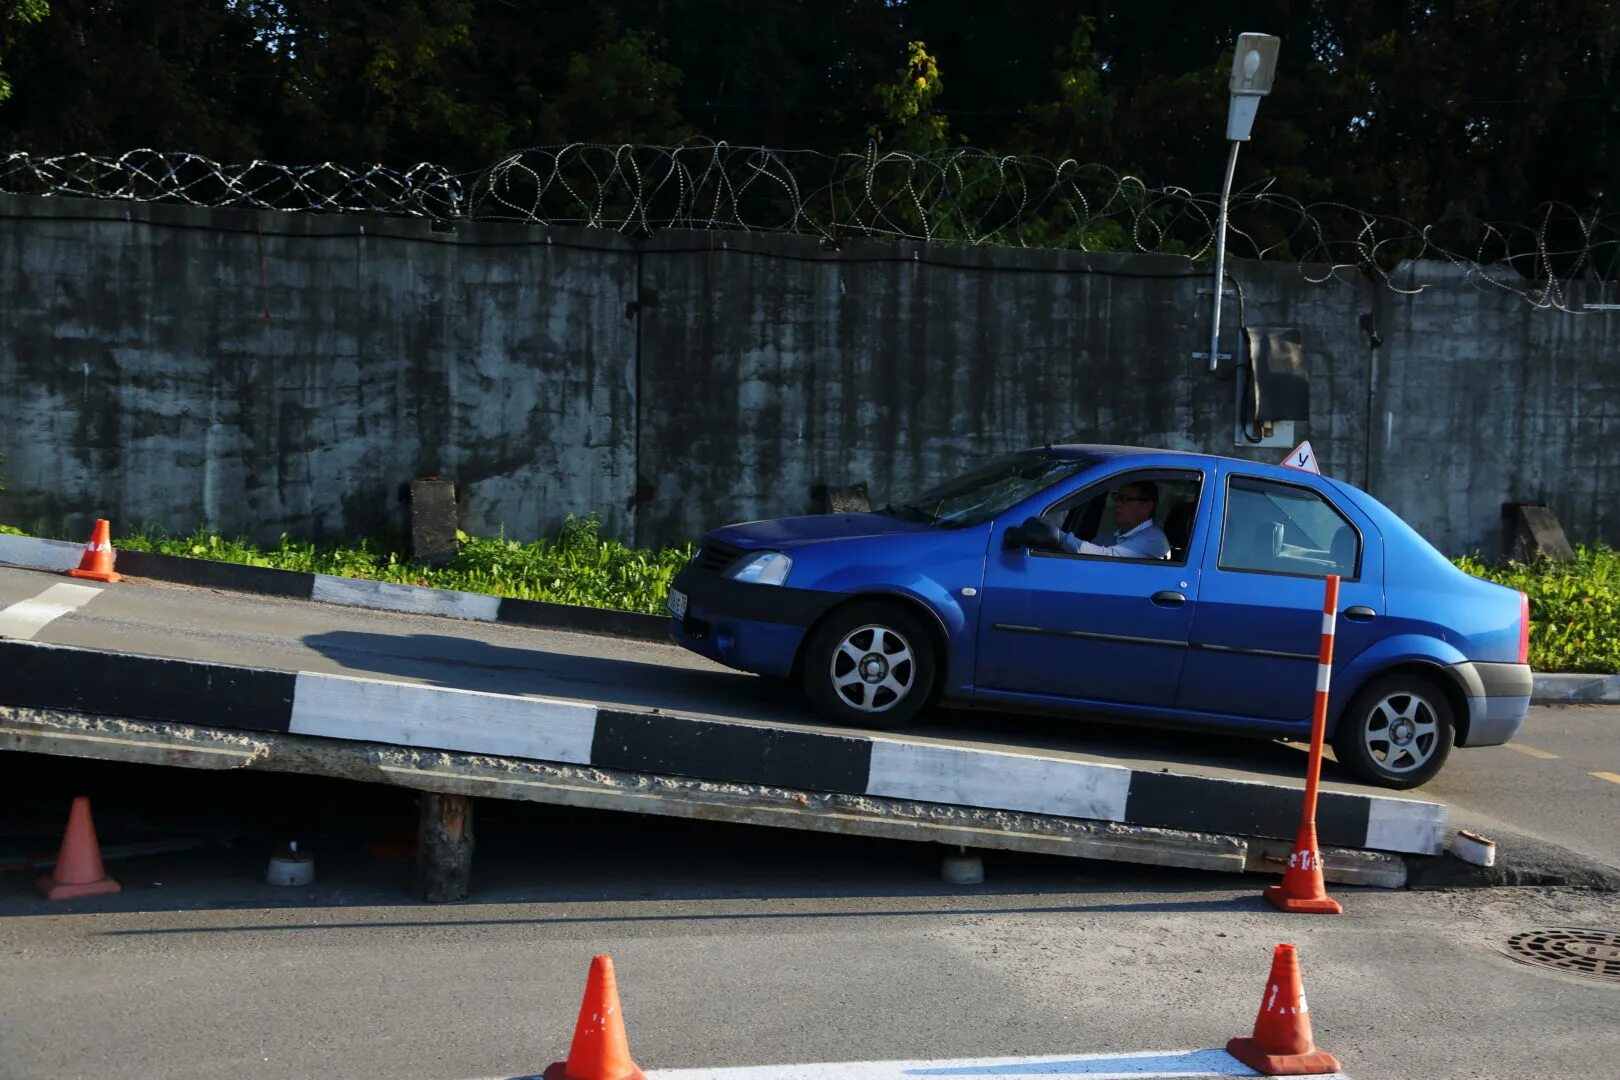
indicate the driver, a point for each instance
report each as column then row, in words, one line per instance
column 1134, row 535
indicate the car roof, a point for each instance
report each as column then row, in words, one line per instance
column 1111, row 450
column 1108, row 450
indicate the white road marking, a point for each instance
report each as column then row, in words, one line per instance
column 25, row 619
column 1164, row 1064
column 1181, row 1064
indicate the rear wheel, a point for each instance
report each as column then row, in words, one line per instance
column 1396, row 732
column 870, row 664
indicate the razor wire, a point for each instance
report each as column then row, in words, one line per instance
column 1556, row 257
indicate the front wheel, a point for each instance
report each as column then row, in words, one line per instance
column 1396, row 732
column 870, row 664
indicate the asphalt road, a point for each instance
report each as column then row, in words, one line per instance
column 746, row 947
column 1559, row 781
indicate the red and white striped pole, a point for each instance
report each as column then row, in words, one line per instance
column 1302, row 888
column 1324, row 679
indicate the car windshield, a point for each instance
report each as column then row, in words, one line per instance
column 980, row 495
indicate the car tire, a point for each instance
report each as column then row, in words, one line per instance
column 1396, row 732
column 870, row 664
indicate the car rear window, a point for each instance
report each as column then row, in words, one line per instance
column 1279, row 528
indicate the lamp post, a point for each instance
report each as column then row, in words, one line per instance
column 1253, row 65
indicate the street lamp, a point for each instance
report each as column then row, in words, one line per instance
column 1253, row 65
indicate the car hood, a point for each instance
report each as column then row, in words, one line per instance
column 791, row 532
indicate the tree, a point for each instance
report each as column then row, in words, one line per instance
column 617, row 91
column 14, row 15
column 107, row 78
column 382, row 81
column 1423, row 110
column 908, row 100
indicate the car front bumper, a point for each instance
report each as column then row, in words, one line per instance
column 756, row 628
column 1498, row 700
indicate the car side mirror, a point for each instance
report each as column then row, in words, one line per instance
column 1013, row 537
column 1037, row 532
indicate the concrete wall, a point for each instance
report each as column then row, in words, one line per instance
column 261, row 373
column 761, row 376
column 1481, row 399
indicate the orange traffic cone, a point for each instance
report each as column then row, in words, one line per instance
column 600, row 1050
column 97, row 564
column 78, row 869
column 1281, row 1044
column 1302, row 888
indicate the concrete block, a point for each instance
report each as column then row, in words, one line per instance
column 1529, row 531
column 962, row 869
column 1342, row 866
column 1473, row 848
column 444, row 847
column 433, row 521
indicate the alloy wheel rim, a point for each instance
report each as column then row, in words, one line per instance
column 1402, row 732
column 873, row 668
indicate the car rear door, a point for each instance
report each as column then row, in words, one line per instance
column 1257, row 628
column 1097, row 628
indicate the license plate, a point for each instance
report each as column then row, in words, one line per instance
column 676, row 603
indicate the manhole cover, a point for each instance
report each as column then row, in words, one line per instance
column 1569, row 948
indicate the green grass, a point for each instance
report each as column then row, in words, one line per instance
column 1574, row 607
column 578, row 567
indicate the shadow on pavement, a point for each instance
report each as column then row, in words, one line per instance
column 469, row 664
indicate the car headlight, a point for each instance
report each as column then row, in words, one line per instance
column 766, row 568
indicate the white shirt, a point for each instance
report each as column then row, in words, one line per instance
column 1146, row 541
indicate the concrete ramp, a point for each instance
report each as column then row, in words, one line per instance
column 91, row 703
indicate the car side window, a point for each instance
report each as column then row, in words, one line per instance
column 1277, row 528
column 1089, row 515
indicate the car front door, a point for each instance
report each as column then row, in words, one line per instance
column 1256, row 633
column 1090, row 627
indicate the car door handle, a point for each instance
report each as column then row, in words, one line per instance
column 1359, row 613
column 1167, row 598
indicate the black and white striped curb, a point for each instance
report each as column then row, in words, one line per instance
column 39, row 676
column 38, row 554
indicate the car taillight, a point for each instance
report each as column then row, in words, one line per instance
column 1524, row 629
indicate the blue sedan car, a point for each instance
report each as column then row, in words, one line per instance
column 1008, row 588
